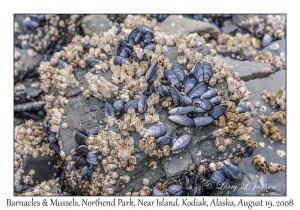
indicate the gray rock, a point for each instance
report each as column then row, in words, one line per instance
column 177, row 164
column 174, row 23
column 277, row 180
column 42, row 165
column 250, row 70
column 276, row 52
column 94, row 24
column 229, row 29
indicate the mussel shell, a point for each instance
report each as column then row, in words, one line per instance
column 189, row 84
column 82, row 150
column 218, row 111
column 52, row 137
column 181, row 110
column 218, row 177
column 62, row 64
column 199, row 112
column 180, row 144
column 199, row 189
column 131, row 104
column 91, row 158
column 79, row 137
column 21, row 188
column 207, row 105
column 157, row 192
column 142, row 105
column 55, row 147
column 109, row 110
column 143, row 28
column 184, row 179
column 182, row 120
column 118, row 60
column 248, row 152
column 149, row 47
column 176, row 96
column 160, row 92
column 151, row 74
column 207, row 72
column 155, row 130
column 87, row 171
column 198, row 71
column 165, row 90
column 266, row 40
column 173, row 77
column 81, row 131
column 242, row 108
column 118, row 104
column 81, row 161
column 179, row 71
column 203, row 121
column 216, row 100
column 164, row 140
column 209, row 94
column 93, row 62
column 174, row 139
column 198, row 90
column 231, row 171
column 174, row 188
column 186, row 101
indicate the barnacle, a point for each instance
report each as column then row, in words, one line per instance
column 260, row 163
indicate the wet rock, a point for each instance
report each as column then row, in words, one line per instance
column 229, row 29
column 177, row 164
column 251, row 70
column 95, row 24
column 42, row 165
column 174, row 23
column 27, row 60
column 276, row 47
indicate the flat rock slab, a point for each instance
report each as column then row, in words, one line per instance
column 250, row 70
column 276, row 52
column 94, row 24
column 269, row 150
column 175, row 23
column 229, row 29
column 42, row 165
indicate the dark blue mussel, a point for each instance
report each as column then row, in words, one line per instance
column 149, row 47
column 207, row 72
column 118, row 60
column 180, row 144
column 218, row 111
column 175, row 189
column 155, row 130
column 198, row 71
column 91, row 158
column 189, row 84
column 207, row 105
column 131, row 104
column 109, row 110
column 151, row 74
column 203, row 121
column 55, row 147
column 216, row 100
column 164, row 140
column 157, row 192
column 142, row 105
column 87, row 171
column 266, row 40
column 209, row 94
column 197, row 91
column 93, row 62
column 231, row 171
column 176, row 96
column 182, row 120
column 118, row 104
column 181, row 110
column 80, row 136
column 199, row 112
column 248, row 152
column 218, row 177
column 179, row 71
column 186, row 101
column 173, row 77
column 242, row 108
column 62, row 64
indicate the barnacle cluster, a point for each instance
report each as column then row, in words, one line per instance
column 267, row 57
column 260, row 163
column 237, row 43
column 269, row 129
column 274, row 25
column 276, row 99
column 275, row 167
column 28, row 141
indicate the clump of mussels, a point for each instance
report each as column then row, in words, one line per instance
column 142, row 79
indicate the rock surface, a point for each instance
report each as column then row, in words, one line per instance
column 276, row 52
column 174, row 23
column 250, row 70
column 95, row 24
